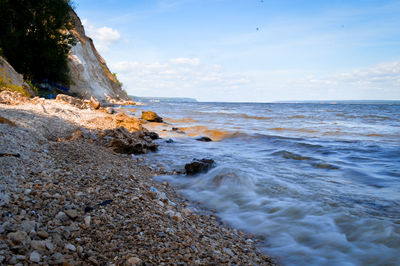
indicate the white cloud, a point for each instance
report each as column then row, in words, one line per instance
column 381, row 81
column 179, row 77
column 103, row 37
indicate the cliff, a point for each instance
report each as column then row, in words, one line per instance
column 11, row 78
column 88, row 70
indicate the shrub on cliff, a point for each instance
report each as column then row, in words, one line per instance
column 35, row 37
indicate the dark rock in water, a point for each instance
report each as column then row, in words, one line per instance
column 175, row 129
column 169, row 141
column 205, row 139
column 151, row 116
column 153, row 135
column 199, row 166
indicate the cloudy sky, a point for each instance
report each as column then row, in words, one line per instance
column 250, row 50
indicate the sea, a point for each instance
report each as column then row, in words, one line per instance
column 317, row 183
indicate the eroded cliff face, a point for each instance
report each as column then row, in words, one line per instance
column 89, row 73
column 12, row 77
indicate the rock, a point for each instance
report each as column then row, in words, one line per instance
column 12, row 97
column 62, row 98
column 133, row 261
column 87, row 220
column 70, row 247
column 29, row 226
column 4, row 120
column 110, row 110
column 153, row 135
column 169, row 141
column 186, row 211
column 151, row 116
column 204, row 139
column 62, row 217
column 38, row 244
column 72, row 214
column 199, row 166
column 177, row 217
column 49, row 245
column 2, row 258
column 130, row 123
column 18, row 237
column 43, row 234
column 123, row 141
column 34, row 257
column 93, row 261
column 94, row 103
column 105, row 202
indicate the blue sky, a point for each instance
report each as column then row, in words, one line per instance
column 245, row 50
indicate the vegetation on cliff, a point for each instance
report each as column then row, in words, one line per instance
column 35, row 37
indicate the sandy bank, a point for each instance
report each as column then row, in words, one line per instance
column 68, row 198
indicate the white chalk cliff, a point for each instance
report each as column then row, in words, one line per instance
column 88, row 71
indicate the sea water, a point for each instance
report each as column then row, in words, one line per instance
column 318, row 183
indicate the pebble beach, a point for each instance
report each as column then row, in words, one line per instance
column 69, row 194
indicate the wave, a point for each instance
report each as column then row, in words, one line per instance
column 186, row 120
column 292, row 155
column 307, row 130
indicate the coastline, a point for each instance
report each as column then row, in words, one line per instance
column 67, row 197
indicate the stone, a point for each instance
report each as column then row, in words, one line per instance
column 199, row 166
column 177, row 217
column 133, row 261
column 49, row 245
column 35, row 257
column 29, row 226
column 4, row 120
column 132, row 124
column 62, row 217
column 38, row 244
column 18, row 237
column 43, row 234
column 72, row 214
column 62, row 98
column 94, row 103
column 70, row 247
column 186, row 211
column 153, row 135
column 151, row 116
column 87, row 220
column 204, row 139
column 110, row 110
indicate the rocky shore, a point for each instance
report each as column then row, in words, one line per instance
column 73, row 192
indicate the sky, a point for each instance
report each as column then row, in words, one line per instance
column 249, row 51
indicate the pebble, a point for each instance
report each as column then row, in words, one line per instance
column 38, row 244
column 17, row 237
column 34, row 257
column 49, row 245
column 70, row 247
column 133, row 261
column 177, row 217
column 73, row 214
column 43, row 234
column 62, row 217
column 87, row 220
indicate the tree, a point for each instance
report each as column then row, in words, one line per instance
column 35, row 37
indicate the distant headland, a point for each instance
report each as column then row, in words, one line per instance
column 162, row 99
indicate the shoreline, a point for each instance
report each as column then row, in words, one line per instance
column 67, row 197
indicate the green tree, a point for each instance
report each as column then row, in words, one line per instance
column 35, row 37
